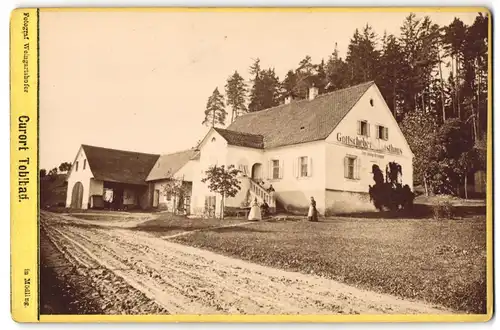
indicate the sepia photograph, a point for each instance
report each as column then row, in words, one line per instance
column 263, row 162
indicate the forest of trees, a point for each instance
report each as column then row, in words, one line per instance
column 433, row 78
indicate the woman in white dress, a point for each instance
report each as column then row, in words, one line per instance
column 312, row 215
column 255, row 211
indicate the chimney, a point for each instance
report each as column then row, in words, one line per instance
column 313, row 92
column 288, row 99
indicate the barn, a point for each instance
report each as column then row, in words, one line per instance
column 109, row 178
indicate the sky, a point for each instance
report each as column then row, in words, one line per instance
column 140, row 80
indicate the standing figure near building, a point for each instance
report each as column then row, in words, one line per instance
column 264, row 209
column 255, row 211
column 312, row 215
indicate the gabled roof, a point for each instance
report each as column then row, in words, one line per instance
column 167, row 165
column 196, row 155
column 300, row 121
column 119, row 165
column 241, row 139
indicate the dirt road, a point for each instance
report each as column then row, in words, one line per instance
column 136, row 272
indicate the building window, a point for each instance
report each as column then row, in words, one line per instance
column 76, row 166
column 303, row 166
column 276, row 169
column 169, row 196
column 351, row 167
column 243, row 169
column 363, row 128
column 382, row 132
column 84, row 163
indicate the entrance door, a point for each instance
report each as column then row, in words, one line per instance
column 187, row 204
column 210, row 206
column 118, row 198
column 257, row 171
column 156, row 198
column 77, row 196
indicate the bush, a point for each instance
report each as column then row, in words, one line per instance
column 390, row 193
column 442, row 210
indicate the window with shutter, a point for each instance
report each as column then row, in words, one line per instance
column 310, row 167
column 382, row 132
column 243, row 169
column 303, row 164
column 350, row 167
column 275, row 166
column 363, row 128
column 358, row 168
column 346, row 166
column 281, row 170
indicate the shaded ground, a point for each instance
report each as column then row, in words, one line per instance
column 69, row 285
column 137, row 272
column 423, row 209
column 167, row 224
column 58, row 292
column 439, row 261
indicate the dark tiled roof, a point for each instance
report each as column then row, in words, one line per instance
column 119, row 165
column 300, row 121
column 241, row 139
column 168, row 165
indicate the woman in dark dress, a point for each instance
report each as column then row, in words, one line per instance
column 312, row 215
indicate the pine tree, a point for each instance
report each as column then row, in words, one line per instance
column 305, row 74
column 388, row 78
column 320, row 80
column 475, row 89
column 236, row 95
column 363, row 56
column 370, row 52
column 427, row 62
column 439, row 53
column 215, row 113
column 256, row 90
column 454, row 42
column 336, row 72
column 265, row 92
column 270, row 92
column 288, row 85
column 418, row 42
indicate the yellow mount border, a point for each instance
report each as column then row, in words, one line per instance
column 24, row 91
